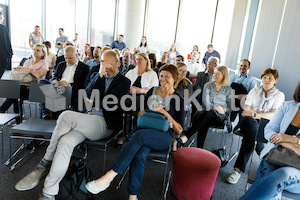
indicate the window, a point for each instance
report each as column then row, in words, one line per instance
column 161, row 25
column 59, row 14
column 103, row 15
column 19, row 30
column 81, row 23
column 195, row 25
column 223, row 27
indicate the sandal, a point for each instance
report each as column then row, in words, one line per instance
column 180, row 143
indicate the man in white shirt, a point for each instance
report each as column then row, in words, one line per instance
column 193, row 67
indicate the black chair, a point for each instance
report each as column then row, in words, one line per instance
column 34, row 129
column 254, row 166
column 8, row 89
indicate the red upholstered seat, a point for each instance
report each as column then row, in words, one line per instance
column 194, row 173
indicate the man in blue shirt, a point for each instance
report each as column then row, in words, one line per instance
column 242, row 83
column 61, row 40
column 210, row 53
column 118, row 44
column 96, row 60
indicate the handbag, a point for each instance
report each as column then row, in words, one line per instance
column 153, row 120
column 282, row 156
column 24, row 76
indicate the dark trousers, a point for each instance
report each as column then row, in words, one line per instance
column 233, row 114
column 201, row 124
column 249, row 127
column 24, row 93
column 3, row 65
column 135, row 153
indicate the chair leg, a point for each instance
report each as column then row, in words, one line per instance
column 122, row 178
column 22, row 158
column 104, row 161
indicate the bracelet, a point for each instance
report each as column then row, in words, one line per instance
column 254, row 115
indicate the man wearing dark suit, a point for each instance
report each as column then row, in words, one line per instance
column 5, row 47
column 72, row 128
column 126, row 63
column 71, row 73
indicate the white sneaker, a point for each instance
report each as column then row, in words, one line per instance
column 32, row 179
column 234, row 177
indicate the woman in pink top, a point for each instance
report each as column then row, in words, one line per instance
column 38, row 66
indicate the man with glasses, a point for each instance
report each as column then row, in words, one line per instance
column 5, row 46
column 193, row 66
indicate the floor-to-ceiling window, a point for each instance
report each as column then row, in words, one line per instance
column 161, row 24
column 103, row 13
column 195, row 25
column 22, row 23
column 60, row 14
column 81, row 22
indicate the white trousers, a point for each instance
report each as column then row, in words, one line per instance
column 71, row 129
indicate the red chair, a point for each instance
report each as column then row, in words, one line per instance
column 194, row 173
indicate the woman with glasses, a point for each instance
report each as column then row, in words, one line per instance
column 182, row 82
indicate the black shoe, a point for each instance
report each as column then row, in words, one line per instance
column 34, row 143
column 179, row 142
column 47, row 116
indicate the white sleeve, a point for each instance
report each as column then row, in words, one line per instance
column 250, row 97
column 153, row 79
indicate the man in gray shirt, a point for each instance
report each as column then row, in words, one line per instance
column 59, row 43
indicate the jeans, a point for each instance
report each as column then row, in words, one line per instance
column 271, row 180
column 24, row 93
column 249, row 127
column 135, row 153
column 202, row 124
column 71, row 129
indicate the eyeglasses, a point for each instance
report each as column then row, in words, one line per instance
column 181, row 70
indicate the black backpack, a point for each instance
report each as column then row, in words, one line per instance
column 72, row 186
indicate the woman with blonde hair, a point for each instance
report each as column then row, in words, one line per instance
column 216, row 106
column 142, row 77
column 37, row 66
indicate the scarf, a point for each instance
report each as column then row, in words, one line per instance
column 265, row 100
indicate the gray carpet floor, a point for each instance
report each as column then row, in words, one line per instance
column 153, row 177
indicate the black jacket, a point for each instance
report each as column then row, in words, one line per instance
column 201, row 79
column 5, row 46
column 119, row 87
column 81, row 72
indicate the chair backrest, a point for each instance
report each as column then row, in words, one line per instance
column 261, row 130
column 36, row 94
column 10, row 89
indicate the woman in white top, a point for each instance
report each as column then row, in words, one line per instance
column 36, row 37
column 142, row 77
column 260, row 103
column 143, row 47
column 50, row 56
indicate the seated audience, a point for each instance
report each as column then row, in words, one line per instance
column 193, row 67
column 173, row 53
column 143, row 47
column 144, row 140
column 163, row 60
column 206, row 76
column 96, row 60
column 283, row 129
column 216, row 107
column 182, row 82
column 72, row 128
column 242, row 83
column 134, row 55
column 126, row 62
column 96, row 68
column 210, row 52
column 38, row 66
column 142, row 77
column 90, row 55
column 260, row 103
column 153, row 62
column 196, row 48
column 179, row 58
column 62, row 57
column 84, row 54
column 51, row 57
